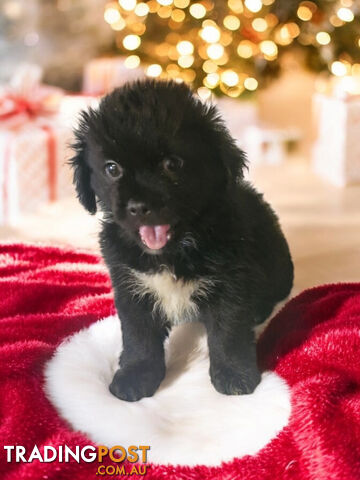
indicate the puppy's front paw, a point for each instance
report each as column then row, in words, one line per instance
column 234, row 382
column 134, row 382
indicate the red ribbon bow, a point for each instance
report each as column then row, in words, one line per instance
column 17, row 109
column 11, row 105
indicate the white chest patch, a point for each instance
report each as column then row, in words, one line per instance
column 173, row 297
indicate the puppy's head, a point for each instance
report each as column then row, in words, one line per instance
column 156, row 159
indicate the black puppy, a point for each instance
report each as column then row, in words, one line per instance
column 184, row 236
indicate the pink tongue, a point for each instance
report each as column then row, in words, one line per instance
column 154, row 236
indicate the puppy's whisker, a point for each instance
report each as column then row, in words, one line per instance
column 188, row 241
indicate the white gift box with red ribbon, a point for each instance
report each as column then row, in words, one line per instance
column 336, row 152
column 33, row 149
column 33, row 168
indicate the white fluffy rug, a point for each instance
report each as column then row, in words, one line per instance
column 186, row 422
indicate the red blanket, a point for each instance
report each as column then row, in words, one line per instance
column 47, row 294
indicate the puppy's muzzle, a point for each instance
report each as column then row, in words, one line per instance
column 138, row 209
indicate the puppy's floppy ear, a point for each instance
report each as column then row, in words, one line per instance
column 233, row 158
column 82, row 171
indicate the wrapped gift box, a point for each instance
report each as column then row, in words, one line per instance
column 33, row 168
column 72, row 105
column 336, row 152
column 102, row 75
column 34, row 146
column 262, row 144
column 238, row 115
column 268, row 145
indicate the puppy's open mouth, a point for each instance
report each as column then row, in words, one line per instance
column 155, row 236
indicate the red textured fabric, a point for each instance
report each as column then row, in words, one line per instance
column 47, row 294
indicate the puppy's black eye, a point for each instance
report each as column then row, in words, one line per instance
column 113, row 170
column 173, row 164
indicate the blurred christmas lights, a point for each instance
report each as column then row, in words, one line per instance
column 210, row 34
column 259, row 24
column 345, row 14
column 226, row 48
column 112, row 15
column 323, row 38
column 141, row 9
column 131, row 42
column 197, row 10
column 127, row 4
column 339, row 69
column 231, row 22
column 154, row 70
column 185, row 47
column 133, row 61
column 253, row 5
column 251, row 83
column 215, row 51
column 230, row 78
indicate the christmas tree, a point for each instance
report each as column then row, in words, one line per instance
column 235, row 46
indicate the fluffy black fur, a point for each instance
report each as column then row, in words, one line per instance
column 221, row 229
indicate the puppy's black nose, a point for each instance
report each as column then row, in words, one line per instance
column 138, row 209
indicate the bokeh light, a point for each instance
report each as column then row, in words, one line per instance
column 245, row 49
column 230, row 78
column 269, row 49
column 253, row 5
column 204, row 93
column 181, row 3
column 259, row 24
column 127, row 4
column 197, row 10
column 209, row 66
column 231, row 22
column 133, row 61
column 304, row 13
column 185, row 47
column 141, row 10
column 345, row 14
column 112, row 15
column 251, row 84
column 185, row 61
column 236, row 6
column 323, row 38
column 203, row 42
column 212, row 80
column 210, row 34
column 215, row 51
column 154, row 70
column 131, row 42
column 339, row 69
column 178, row 15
